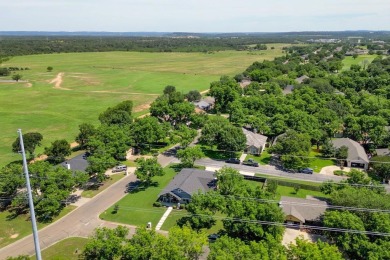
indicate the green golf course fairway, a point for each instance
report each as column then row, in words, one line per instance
column 88, row 83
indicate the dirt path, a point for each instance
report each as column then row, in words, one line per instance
column 57, row 81
column 142, row 107
column 117, row 92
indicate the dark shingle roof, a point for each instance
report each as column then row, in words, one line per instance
column 355, row 150
column 190, row 181
column 303, row 209
column 78, row 163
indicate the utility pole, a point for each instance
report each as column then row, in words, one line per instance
column 30, row 200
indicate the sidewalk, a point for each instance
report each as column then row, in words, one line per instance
column 163, row 218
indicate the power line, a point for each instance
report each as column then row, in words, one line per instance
column 262, row 222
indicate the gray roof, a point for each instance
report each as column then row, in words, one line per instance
column 78, row 163
column 303, row 209
column 205, row 102
column 301, row 79
column 253, row 139
column 202, row 104
column 190, row 181
column 356, row 152
column 288, row 89
column 383, row 152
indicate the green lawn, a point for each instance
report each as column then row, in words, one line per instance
column 111, row 180
column 213, row 153
column 137, row 208
column 302, row 193
column 94, row 81
column 19, row 227
column 263, row 159
column 67, row 249
column 178, row 214
column 360, row 60
column 318, row 163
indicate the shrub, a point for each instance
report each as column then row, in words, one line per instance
column 157, row 204
column 182, row 206
column 340, row 173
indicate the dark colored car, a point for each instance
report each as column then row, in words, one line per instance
column 307, row 170
column 213, row 237
column 251, row 162
column 233, row 160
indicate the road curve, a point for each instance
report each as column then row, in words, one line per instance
column 80, row 222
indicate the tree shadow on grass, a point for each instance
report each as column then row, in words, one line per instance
column 137, row 186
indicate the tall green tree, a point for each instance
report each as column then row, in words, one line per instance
column 106, row 243
column 306, row 250
column 189, row 155
column 86, row 131
column 147, row 130
column 120, row 115
column 30, row 141
column 58, row 150
column 147, row 169
column 185, row 135
column 225, row 91
column 293, row 148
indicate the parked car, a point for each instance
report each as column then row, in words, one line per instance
column 307, row 170
column 251, row 162
column 233, row 160
column 213, row 237
column 119, row 168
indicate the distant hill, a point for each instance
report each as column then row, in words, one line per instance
column 311, row 34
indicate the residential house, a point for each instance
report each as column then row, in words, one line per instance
column 301, row 79
column 357, row 157
column 205, row 103
column 302, row 211
column 185, row 184
column 288, row 89
column 255, row 143
column 245, row 82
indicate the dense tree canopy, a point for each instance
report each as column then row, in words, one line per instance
column 182, row 243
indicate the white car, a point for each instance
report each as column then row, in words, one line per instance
column 119, row 168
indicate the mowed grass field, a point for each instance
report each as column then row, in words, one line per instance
column 91, row 82
column 360, row 60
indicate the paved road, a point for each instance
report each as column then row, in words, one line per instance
column 80, row 222
column 270, row 170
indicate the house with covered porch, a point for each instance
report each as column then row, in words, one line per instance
column 186, row 183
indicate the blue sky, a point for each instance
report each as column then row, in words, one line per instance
column 194, row 15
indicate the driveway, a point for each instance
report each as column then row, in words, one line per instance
column 290, row 234
column 80, row 222
column 328, row 170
